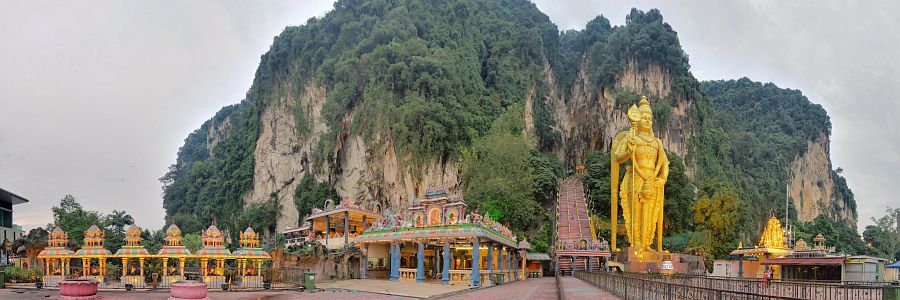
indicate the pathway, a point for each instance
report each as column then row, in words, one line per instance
column 577, row 289
column 535, row 289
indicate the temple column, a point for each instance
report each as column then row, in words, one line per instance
column 346, row 227
column 327, row 228
column 524, row 263
column 490, row 262
column 437, row 262
column 476, row 263
column 500, row 259
column 515, row 263
column 181, row 266
column 84, row 267
column 395, row 265
column 508, row 270
column 364, row 224
column 365, row 261
column 741, row 266
column 203, row 264
column 124, row 266
column 141, row 261
column 556, row 264
column 165, row 267
column 102, row 267
column 258, row 267
column 445, row 273
column 420, row 262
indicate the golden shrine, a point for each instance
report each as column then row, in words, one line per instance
column 131, row 251
column 56, row 257
column 246, row 256
column 771, row 245
column 174, row 249
column 213, row 249
column 642, row 188
column 93, row 248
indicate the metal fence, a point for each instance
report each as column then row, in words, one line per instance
column 652, row 287
column 283, row 278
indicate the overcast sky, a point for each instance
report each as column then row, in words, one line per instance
column 96, row 97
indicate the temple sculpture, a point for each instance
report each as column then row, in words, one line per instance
column 642, row 187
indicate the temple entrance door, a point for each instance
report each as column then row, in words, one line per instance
column 353, row 272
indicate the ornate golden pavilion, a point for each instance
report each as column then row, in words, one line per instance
column 56, row 257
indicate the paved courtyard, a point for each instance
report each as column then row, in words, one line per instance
column 532, row 289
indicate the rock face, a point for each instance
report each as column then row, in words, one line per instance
column 374, row 178
column 589, row 121
column 811, row 187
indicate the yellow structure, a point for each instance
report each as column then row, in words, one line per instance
column 93, row 248
column 213, row 249
column 642, row 187
column 752, row 262
column 133, row 250
column 174, row 249
column 248, row 256
column 56, row 257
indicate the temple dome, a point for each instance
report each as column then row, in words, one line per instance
column 173, row 230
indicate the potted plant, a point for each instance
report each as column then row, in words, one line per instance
column 224, row 286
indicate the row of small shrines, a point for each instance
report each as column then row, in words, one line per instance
column 56, row 258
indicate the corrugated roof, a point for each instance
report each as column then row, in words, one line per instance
column 537, row 256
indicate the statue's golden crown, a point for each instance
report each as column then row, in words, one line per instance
column 635, row 112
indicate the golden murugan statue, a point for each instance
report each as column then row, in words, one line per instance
column 642, row 188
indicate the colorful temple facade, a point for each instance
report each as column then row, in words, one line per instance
column 336, row 225
column 440, row 242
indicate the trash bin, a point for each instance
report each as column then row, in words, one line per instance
column 498, row 278
column 309, row 281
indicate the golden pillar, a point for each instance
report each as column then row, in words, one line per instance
column 181, row 266
column 165, row 266
column 141, row 262
column 203, row 270
column 124, row 266
column 258, row 267
column 103, row 267
column 85, row 262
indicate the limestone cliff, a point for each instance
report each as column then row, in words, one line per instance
column 811, row 186
column 589, row 120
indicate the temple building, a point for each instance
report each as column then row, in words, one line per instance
column 174, row 249
column 56, row 258
column 440, row 242
column 750, row 262
column 93, row 249
column 249, row 259
column 133, row 250
column 335, row 225
column 213, row 249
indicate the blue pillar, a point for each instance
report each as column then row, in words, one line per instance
column 490, row 262
column 515, row 262
column 445, row 274
column 500, row 259
column 508, row 269
column 346, row 228
column 556, row 265
column 365, row 262
column 420, row 263
column 395, row 262
column 476, row 263
column 606, row 263
column 437, row 262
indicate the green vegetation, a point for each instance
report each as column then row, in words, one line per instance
column 503, row 176
column 883, row 238
column 310, row 194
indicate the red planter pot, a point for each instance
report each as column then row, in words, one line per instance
column 187, row 290
column 78, row 290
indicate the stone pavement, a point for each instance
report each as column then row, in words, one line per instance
column 401, row 288
column 576, row 289
column 537, row 289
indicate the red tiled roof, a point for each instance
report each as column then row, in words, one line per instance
column 809, row 261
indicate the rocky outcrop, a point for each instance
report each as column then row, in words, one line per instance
column 811, row 188
column 589, row 120
column 282, row 156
